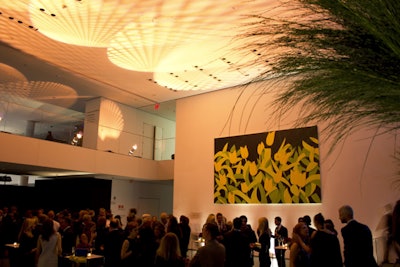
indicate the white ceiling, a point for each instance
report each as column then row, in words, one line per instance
column 59, row 78
column 88, row 72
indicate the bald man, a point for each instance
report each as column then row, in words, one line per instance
column 357, row 239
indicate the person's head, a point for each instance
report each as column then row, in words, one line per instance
column 101, row 222
column 319, row 221
column 210, row 231
column 184, row 220
column 146, row 217
column 132, row 211
column 82, row 213
column 65, row 222
column 139, row 221
column 301, row 229
column 118, row 218
column 307, row 220
column 86, row 218
column 164, row 218
column 158, row 229
column 31, row 223
column 345, row 213
column 211, row 218
column 244, row 220
column 132, row 229
column 47, row 228
column 169, row 247
column 328, row 224
column 220, row 217
column 131, row 215
column 300, row 219
column 263, row 225
column 229, row 225
column 27, row 227
column 114, row 224
column 237, row 223
column 278, row 220
column 102, row 212
column 51, row 214
column 172, row 222
column 92, row 213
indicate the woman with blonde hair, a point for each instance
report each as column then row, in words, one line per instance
column 211, row 218
column 27, row 243
column 168, row 253
column 264, row 240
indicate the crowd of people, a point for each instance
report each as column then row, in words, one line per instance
column 308, row 246
column 47, row 239
column 50, row 239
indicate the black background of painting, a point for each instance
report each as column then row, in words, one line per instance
column 292, row 136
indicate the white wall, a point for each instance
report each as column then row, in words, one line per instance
column 360, row 172
column 147, row 197
column 111, row 126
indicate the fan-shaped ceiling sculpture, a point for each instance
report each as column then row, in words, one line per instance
column 41, row 91
column 111, row 121
column 185, row 43
column 86, row 23
column 10, row 74
column 226, row 69
column 188, row 48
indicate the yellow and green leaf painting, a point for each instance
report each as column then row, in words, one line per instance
column 271, row 167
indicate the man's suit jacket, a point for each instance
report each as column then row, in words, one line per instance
column 238, row 251
column 358, row 248
column 211, row 255
column 281, row 231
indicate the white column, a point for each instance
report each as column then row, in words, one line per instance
column 30, row 128
column 24, row 180
column 91, row 128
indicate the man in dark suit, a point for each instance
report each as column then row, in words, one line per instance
column 357, row 239
column 237, row 246
column 68, row 237
column 113, row 245
column 281, row 236
column 213, row 253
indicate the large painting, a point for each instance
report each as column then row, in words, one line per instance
column 271, row 167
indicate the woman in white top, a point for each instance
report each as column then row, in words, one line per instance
column 48, row 246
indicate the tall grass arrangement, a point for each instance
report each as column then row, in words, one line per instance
column 344, row 56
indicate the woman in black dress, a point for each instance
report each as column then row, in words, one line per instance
column 264, row 240
column 27, row 243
